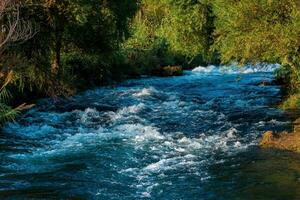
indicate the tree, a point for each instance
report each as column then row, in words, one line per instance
column 12, row 29
column 80, row 25
column 189, row 26
column 258, row 31
column 182, row 28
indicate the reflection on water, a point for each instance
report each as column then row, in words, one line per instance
column 189, row 137
column 259, row 174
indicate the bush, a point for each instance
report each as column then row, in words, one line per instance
column 144, row 56
column 288, row 78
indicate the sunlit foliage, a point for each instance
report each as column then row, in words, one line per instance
column 180, row 28
column 261, row 31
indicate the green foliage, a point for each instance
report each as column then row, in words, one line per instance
column 80, row 32
column 144, row 55
column 286, row 76
column 84, row 70
column 75, row 46
column 257, row 31
column 84, row 43
column 260, row 31
column 188, row 26
column 8, row 113
column 170, row 32
column 291, row 102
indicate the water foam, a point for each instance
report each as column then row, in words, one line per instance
column 145, row 92
column 234, row 69
column 126, row 111
column 141, row 140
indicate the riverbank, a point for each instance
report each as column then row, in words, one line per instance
column 282, row 141
column 289, row 141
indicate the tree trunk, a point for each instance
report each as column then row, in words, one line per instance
column 57, row 58
column 56, row 64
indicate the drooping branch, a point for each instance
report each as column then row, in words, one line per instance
column 4, row 4
column 12, row 27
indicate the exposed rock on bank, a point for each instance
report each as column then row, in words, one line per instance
column 283, row 141
column 168, row 71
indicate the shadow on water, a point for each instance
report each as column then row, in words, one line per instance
column 258, row 174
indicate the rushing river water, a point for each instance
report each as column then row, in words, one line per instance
column 188, row 137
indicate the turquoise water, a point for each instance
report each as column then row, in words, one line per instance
column 188, row 137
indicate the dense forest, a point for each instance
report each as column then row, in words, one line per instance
column 58, row 47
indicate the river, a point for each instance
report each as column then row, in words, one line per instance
column 188, row 137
